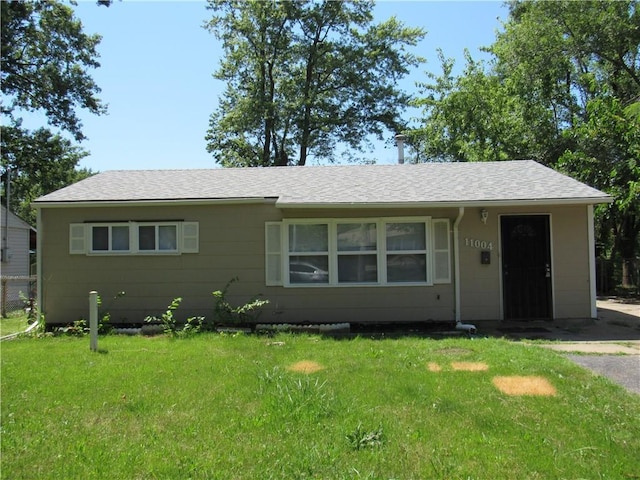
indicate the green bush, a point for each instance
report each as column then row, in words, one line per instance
column 246, row 313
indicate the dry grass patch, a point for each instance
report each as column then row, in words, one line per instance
column 524, row 385
column 434, row 367
column 470, row 366
column 305, row 366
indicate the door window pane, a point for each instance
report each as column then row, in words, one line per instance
column 147, row 237
column 406, row 236
column 357, row 269
column 356, row 237
column 120, row 238
column 308, row 238
column 309, row 269
column 167, row 237
column 100, row 239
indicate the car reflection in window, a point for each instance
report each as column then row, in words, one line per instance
column 304, row 272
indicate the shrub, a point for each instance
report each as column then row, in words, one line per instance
column 170, row 323
column 226, row 313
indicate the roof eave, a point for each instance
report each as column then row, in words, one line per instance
column 449, row 204
column 149, row 203
column 326, row 205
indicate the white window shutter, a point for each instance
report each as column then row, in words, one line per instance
column 77, row 239
column 190, row 237
column 273, row 253
column 441, row 251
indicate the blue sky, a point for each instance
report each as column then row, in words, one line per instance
column 156, row 74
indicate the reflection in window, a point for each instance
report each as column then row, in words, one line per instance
column 309, row 269
column 353, row 266
column 106, row 238
column 407, row 268
column 158, row 237
column 120, row 238
column 406, row 236
column 358, row 252
column 308, row 238
column 356, row 237
column 311, row 243
column 168, row 237
column 408, row 242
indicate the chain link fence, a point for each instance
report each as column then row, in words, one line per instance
column 16, row 292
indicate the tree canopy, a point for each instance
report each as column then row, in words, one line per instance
column 562, row 87
column 303, row 77
column 46, row 59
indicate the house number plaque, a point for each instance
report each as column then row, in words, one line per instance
column 480, row 244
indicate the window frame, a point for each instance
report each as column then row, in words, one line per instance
column 156, row 241
column 333, row 253
column 81, row 238
column 109, row 249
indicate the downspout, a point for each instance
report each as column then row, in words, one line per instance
column 456, row 262
column 592, row 261
column 464, row 327
column 39, row 283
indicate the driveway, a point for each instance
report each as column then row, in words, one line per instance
column 622, row 369
column 608, row 346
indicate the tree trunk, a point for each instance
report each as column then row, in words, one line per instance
column 627, row 246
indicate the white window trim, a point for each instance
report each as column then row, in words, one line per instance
column 109, row 226
column 134, row 233
column 380, row 252
column 81, row 238
column 447, row 224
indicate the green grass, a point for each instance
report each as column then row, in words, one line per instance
column 15, row 322
column 227, row 407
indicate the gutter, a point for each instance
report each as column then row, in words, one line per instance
column 280, row 202
column 447, row 204
column 153, row 203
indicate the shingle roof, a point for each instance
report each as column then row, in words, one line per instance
column 427, row 183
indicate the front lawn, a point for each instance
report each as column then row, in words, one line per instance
column 220, row 406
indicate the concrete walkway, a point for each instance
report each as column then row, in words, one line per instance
column 629, row 347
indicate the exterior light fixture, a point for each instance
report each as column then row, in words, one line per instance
column 484, row 215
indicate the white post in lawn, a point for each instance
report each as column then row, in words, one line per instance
column 93, row 320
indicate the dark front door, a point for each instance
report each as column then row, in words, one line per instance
column 526, row 267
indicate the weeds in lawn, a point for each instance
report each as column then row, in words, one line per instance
column 227, row 406
column 170, row 324
column 81, row 327
column 226, row 313
column 361, row 438
column 293, row 398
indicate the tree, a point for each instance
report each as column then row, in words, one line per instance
column 563, row 88
column 474, row 117
column 303, row 77
column 32, row 177
column 46, row 58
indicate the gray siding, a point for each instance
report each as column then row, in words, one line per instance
column 232, row 245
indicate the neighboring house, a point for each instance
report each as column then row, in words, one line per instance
column 18, row 240
column 365, row 243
